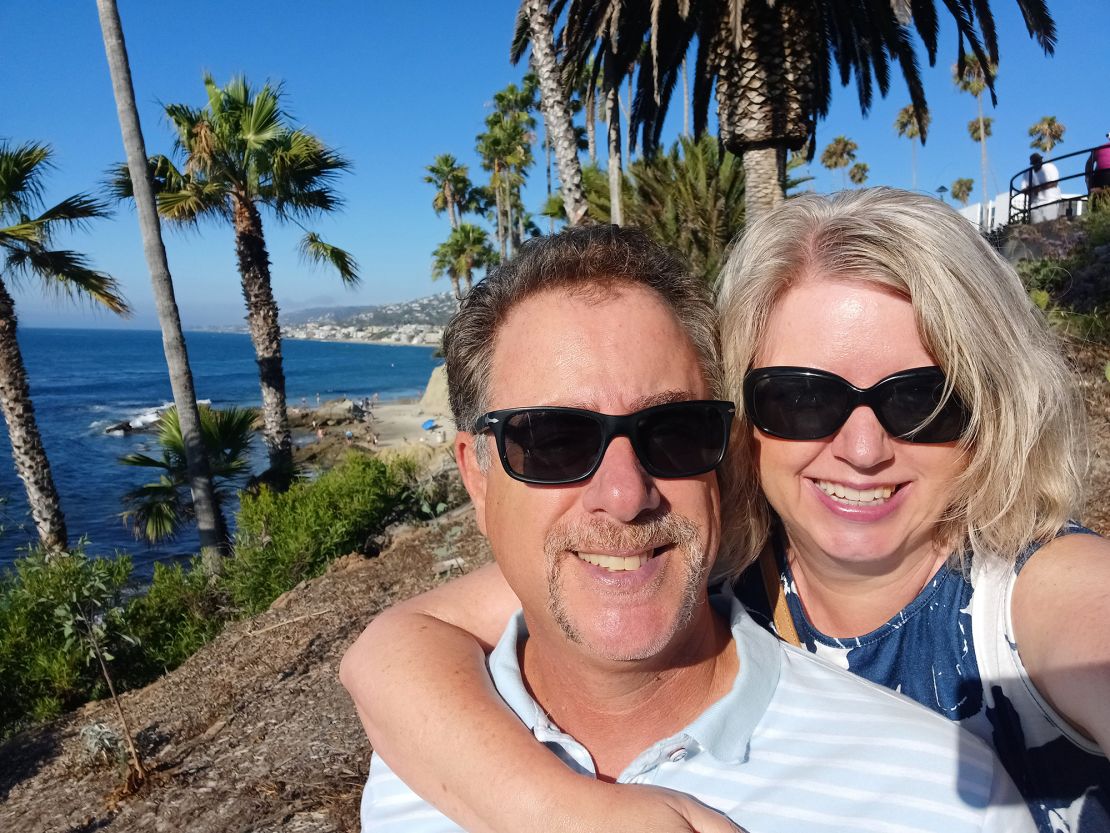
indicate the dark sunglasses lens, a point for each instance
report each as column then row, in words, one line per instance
column 908, row 403
column 681, row 440
column 798, row 406
column 550, row 446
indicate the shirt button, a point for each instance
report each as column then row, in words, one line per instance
column 678, row 755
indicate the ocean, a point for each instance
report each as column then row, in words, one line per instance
column 83, row 381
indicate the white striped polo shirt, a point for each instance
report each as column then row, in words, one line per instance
column 796, row 744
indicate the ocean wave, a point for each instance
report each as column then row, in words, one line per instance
column 140, row 421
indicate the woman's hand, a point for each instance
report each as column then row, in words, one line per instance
column 635, row 808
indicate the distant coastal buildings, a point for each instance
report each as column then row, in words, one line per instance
column 420, row 321
column 420, row 334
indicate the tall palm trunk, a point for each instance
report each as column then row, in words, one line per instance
column 500, row 207
column 547, row 158
column 210, row 521
column 589, row 103
column 616, row 213
column 510, row 233
column 553, row 99
column 685, row 101
column 984, row 204
column 262, row 321
column 27, row 451
column 449, row 198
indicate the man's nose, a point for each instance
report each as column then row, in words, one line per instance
column 620, row 487
column 862, row 442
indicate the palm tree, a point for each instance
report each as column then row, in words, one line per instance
column 1047, row 134
column 770, row 65
column 242, row 154
column 158, row 511
column 25, row 242
column 971, row 77
column 466, row 249
column 859, row 172
column 961, row 190
column 505, row 150
column 913, row 125
column 839, row 153
column 452, row 184
column 213, row 532
column 536, row 18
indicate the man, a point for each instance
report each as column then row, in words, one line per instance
column 1042, row 187
column 582, row 377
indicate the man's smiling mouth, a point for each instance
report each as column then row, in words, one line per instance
column 617, row 563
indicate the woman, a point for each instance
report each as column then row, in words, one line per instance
column 916, row 538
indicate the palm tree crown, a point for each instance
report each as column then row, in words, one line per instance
column 452, row 183
column 771, row 65
column 1047, row 134
column 241, row 153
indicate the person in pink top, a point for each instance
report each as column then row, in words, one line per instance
column 1098, row 167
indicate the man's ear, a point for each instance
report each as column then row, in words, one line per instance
column 473, row 478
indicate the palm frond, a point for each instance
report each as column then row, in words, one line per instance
column 156, row 511
column 22, row 168
column 67, row 273
column 315, row 250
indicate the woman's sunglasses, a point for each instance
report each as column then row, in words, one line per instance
column 802, row 403
column 565, row 445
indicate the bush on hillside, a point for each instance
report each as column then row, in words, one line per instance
column 283, row 539
column 180, row 612
column 44, row 671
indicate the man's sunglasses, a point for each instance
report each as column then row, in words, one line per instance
column 565, row 445
column 801, row 403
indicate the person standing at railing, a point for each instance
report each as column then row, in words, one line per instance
column 1042, row 187
column 1097, row 171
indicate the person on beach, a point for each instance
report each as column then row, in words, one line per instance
column 588, row 446
column 908, row 451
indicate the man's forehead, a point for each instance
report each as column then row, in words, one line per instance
column 583, row 349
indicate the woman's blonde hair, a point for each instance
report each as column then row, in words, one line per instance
column 1025, row 443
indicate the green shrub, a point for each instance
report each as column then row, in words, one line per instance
column 283, row 539
column 44, row 672
column 179, row 613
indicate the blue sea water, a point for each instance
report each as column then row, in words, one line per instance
column 83, row 381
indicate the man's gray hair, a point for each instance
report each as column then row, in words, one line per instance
column 583, row 259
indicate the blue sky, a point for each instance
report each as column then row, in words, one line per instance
column 392, row 85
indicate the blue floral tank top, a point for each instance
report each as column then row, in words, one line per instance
column 952, row 650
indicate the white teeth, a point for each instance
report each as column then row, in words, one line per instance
column 615, row 562
column 847, row 494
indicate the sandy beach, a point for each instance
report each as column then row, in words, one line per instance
column 324, row 434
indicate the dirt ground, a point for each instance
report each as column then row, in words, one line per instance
column 254, row 733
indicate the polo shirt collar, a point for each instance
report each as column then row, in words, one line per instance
column 724, row 730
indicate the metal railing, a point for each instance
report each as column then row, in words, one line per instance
column 1022, row 202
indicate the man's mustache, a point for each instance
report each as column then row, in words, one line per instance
column 597, row 535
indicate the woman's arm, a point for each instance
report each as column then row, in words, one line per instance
column 1061, row 616
column 418, row 678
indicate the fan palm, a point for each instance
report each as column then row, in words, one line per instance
column 859, row 173
column 466, row 249
column 452, row 182
column 1047, row 134
column 839, row 153
column 970, row 76
column 25, row 243
column 913, row 125
column 768, row 64
column 241, row 154
column 158, row 511
column 961, row 190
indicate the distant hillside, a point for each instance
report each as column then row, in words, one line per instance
column 434, row 310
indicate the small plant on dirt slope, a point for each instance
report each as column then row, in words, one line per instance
column 87, row 618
